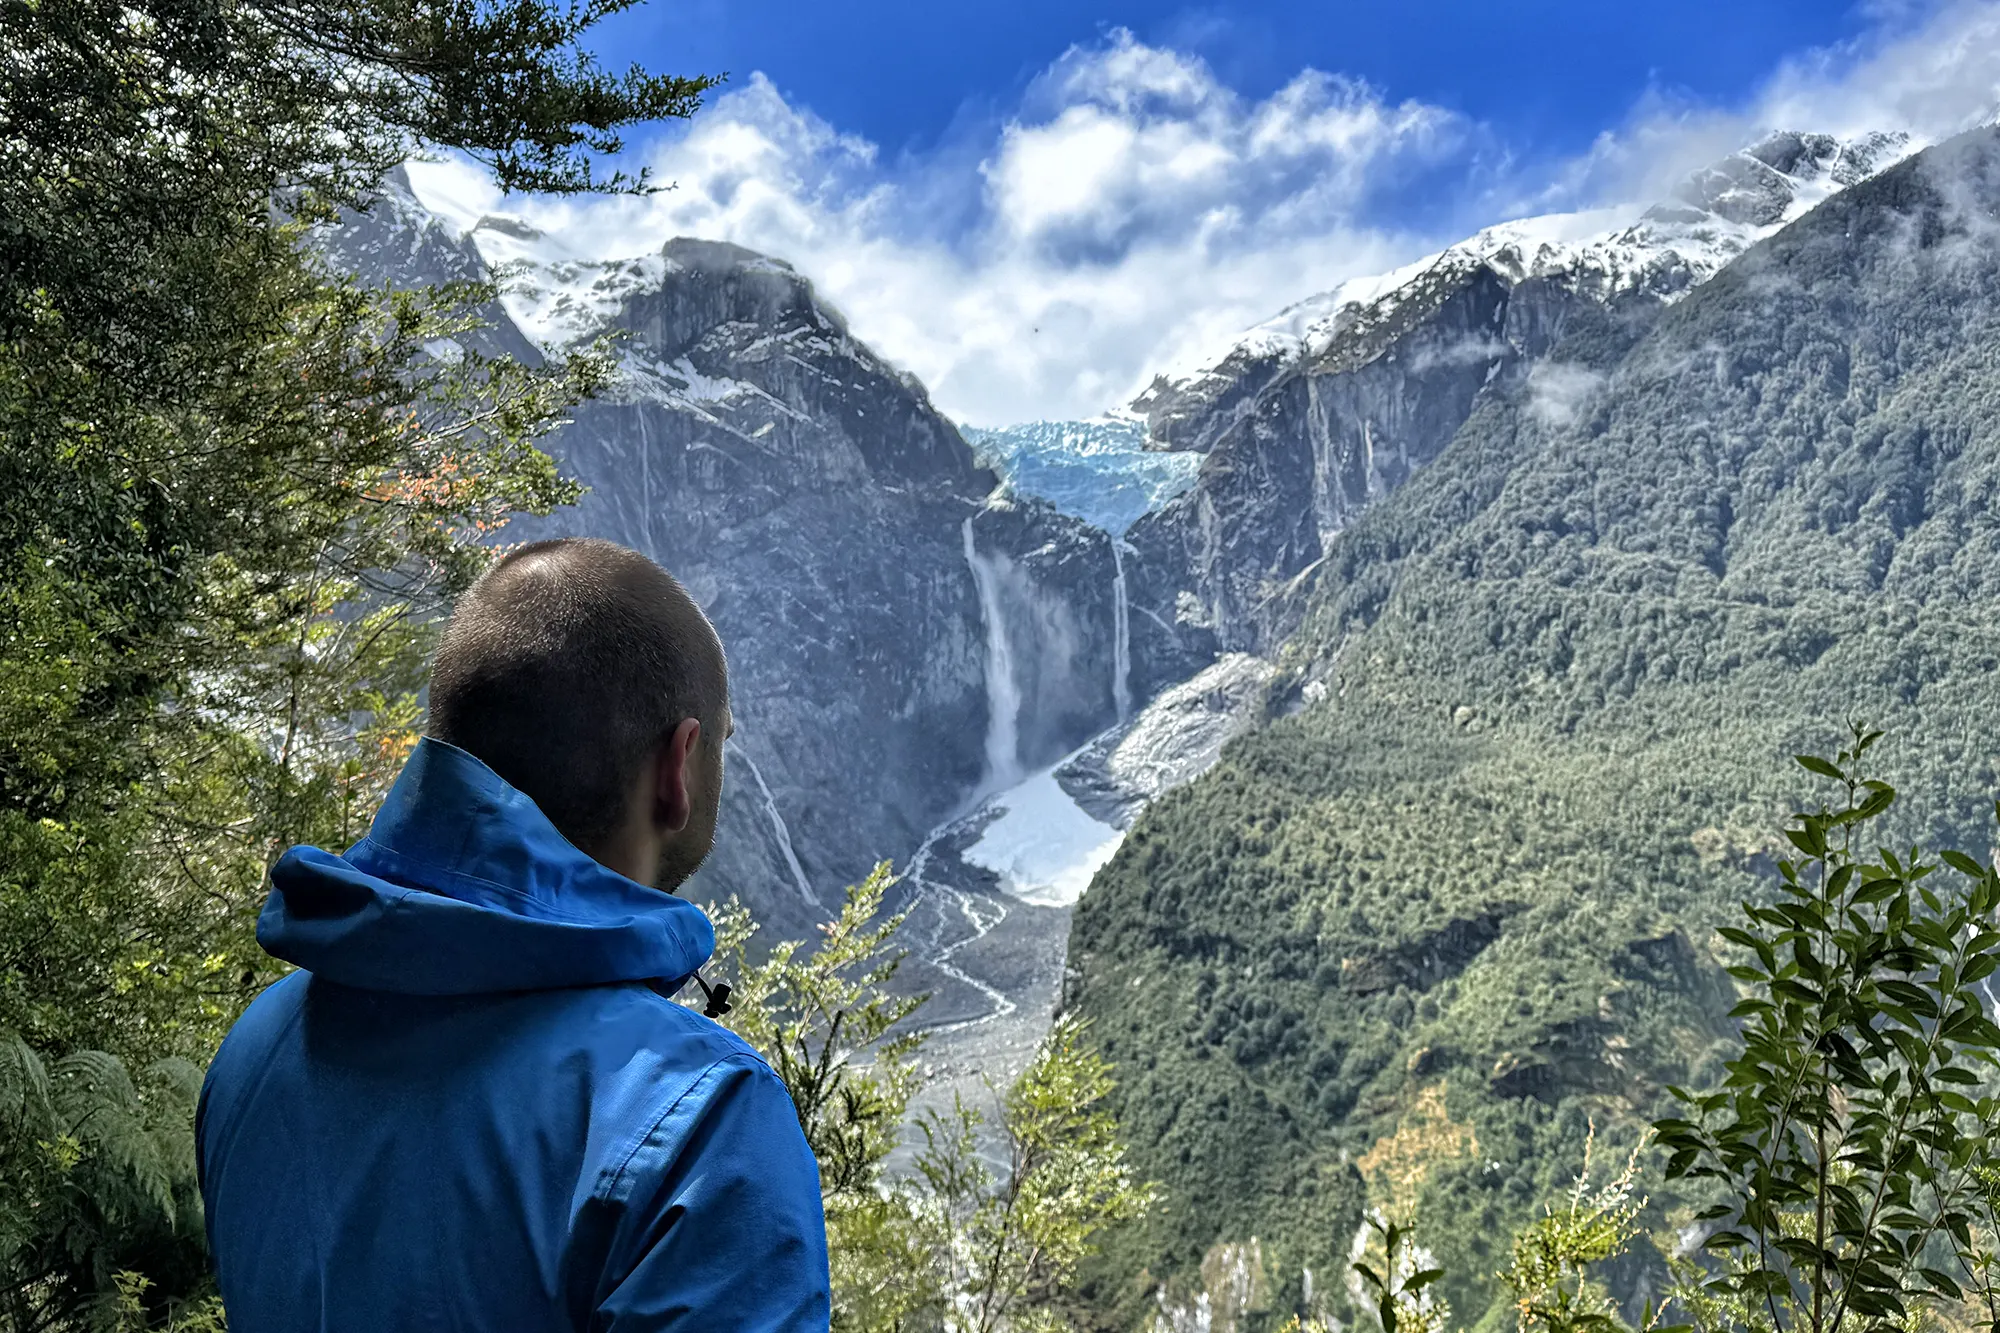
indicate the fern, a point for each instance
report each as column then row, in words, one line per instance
column 97, row 1187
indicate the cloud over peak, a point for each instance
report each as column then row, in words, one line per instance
column 1134, row 208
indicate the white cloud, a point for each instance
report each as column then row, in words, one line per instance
column 1557, row 391
column 1930, row 70
column 1135, row 208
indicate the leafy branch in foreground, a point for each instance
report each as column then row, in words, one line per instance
column 1010, row 1241
column 1550, row 1271
column 1851, row 1141
column 962, row 1244
column 1395, row 1287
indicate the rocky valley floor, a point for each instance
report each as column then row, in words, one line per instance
column 990, row 894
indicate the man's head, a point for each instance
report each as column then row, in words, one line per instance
column 585, row 676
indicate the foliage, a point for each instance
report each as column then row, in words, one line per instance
column 1552, row 1273
column 1397, row 1282
column 1849, row 1149
column 954, row 1246
column 1010, row 1241
column 1398, row 1165
column 99, row 1168
column 234, row 489
column 1526, row 744
column 1355, row 917
column 131, row 1312
column 1851, row 1142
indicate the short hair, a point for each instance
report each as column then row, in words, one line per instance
column 564, row 665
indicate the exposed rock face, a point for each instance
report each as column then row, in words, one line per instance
column 815, row 504
column 1189, row 413
column 1176, row 739
column 1314, row 416
column 1329, row 437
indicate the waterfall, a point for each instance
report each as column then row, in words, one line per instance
column 784, row 834
column 1003, row 692
column 1121, row 629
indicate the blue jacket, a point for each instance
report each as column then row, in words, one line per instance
column 473, row 1110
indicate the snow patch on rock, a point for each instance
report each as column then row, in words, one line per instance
column 1042, row 845
column 1174, row 740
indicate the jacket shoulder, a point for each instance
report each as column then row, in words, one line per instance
column 693, row 1026
column 246, row 1052
column 686, row 1071
column 262, row 1025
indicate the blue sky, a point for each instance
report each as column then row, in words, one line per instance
column 1546, row 74
column 1035, row 207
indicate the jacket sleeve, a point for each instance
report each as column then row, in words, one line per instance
column 727, row 1235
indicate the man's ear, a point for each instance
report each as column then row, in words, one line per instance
column 673, row 805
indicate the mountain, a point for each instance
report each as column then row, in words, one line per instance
column 831, row 522
column 1530, row 740
column 1316, row 415
column 1668, row 250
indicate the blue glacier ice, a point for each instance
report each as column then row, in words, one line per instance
column 1100, row 471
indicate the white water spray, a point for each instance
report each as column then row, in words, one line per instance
column 1121, row 628
column 1003, row 692
column 784, row 834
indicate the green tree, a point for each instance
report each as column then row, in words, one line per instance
column 1852, row 1141
column 234, row 490
column 1849, row 1154
column 1010, row 1240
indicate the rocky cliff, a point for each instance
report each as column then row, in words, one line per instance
column 895, row 643
column 1319, row 413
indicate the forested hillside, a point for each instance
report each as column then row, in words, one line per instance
column 1458, row 899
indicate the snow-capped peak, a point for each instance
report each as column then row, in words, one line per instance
column 1663, row 251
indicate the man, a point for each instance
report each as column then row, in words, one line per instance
column 475, row 1106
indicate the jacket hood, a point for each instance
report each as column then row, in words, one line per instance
column 463, row 886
